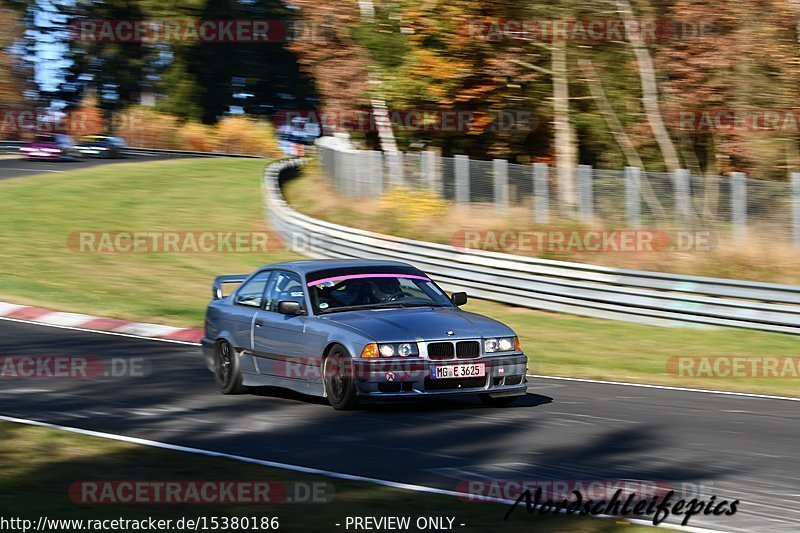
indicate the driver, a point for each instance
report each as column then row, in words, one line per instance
column 388, row 288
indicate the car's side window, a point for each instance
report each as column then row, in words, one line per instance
column 252, row 293
column 284, row 286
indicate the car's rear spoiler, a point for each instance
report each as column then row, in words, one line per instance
column 219, row 281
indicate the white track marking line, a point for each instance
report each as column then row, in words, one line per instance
column 35, row 170
column 668, row 387
column 306, row 470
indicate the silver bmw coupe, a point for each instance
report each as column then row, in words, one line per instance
column 357, row 331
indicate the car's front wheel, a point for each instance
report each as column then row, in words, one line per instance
column 226, row 369
column 340, row 383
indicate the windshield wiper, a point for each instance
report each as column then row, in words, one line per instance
column 385, row 305
column 347, row 308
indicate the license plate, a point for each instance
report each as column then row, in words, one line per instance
column 458, row 371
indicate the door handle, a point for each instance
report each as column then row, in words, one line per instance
column 259, row 323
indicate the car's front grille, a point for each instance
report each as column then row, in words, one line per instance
column 439, row 351
column 468, row 349
column 454, row 383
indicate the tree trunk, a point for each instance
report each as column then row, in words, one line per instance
column 379, row 111
column 566, row 152
column 618, row 131
column 650, row 102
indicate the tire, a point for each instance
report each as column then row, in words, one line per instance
column 503, row 401
column 226, row 369
column 340, row 385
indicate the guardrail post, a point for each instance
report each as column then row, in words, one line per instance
column 376, row 171
column 682, row 196
column 633, row 193
column 739, row 205
column 336, row 169
column 500, row 167
column 796, row 207
column 357, row 175
column 541, row 193
column 394, row 161
column 430, row 172
column 586, row 196
column 462, row 179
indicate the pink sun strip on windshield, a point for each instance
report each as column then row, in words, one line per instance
column 364, row 276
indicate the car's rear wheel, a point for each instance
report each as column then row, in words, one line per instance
column 226, row 369
column 340, row 384
column 501, row 401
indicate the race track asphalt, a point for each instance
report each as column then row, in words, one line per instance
column 733, row 447
column 16, row 167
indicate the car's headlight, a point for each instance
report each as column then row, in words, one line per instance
column 403, row 349
column 501, row 344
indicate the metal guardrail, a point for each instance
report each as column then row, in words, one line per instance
column 10, row 147
column 159, row 151
column 602, row 292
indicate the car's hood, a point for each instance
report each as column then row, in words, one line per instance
column 418, row 324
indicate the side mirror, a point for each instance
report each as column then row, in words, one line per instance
column 458, row 298
column 288, row 307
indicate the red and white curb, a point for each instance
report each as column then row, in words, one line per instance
column 24, row 313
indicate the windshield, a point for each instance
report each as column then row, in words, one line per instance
column 374, row 291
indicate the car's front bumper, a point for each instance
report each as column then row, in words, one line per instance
column 412, row 378
column 42, row 155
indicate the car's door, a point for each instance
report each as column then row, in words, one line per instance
column 246, row 301
column 280, row 343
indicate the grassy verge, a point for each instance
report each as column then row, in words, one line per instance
column 40, row 465
column 38, row 213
